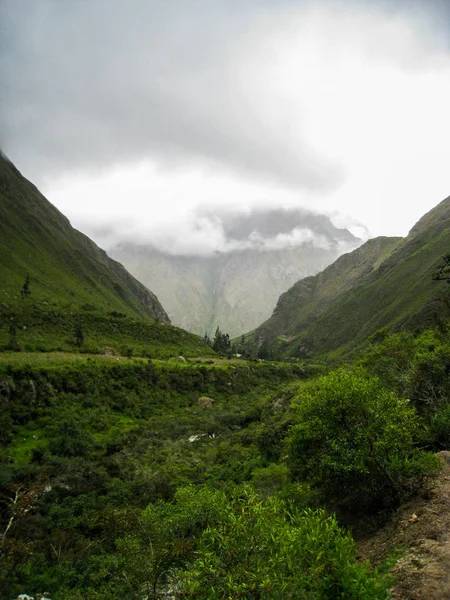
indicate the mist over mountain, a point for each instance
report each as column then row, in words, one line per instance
column 261, row 254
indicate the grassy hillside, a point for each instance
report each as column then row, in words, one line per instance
column 64, row 265
column 385, row 282
column 71, row 281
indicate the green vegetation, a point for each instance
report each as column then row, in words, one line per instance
column 355, row 442
column 52, row 328
column 384, row 283
column 59, row 291
column 119, row 482
column 129, row 471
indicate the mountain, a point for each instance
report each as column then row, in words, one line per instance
column 387, row 282
column 69, row 275
column 238, row 289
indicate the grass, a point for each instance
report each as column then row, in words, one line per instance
column 42, row 359
column 26, row 439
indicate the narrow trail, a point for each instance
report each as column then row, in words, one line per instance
column 420, row 530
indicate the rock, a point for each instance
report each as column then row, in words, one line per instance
column 194, row 438
column 109, row 352
column 181, row 359
column 206, row 402
column 278, row 405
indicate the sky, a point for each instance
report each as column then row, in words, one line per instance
column 143, row 120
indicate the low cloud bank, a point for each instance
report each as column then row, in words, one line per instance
column 204, row 234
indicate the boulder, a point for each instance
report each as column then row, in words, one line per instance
column 206, row 402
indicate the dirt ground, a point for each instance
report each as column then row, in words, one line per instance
column 420, row 532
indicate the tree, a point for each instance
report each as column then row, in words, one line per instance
column 79, row 335
column 355, row 442
column 268, row 549
column 264, row 351
column 13, row 345
column 221, row 343
column 25, row 291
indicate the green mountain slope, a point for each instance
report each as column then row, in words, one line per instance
column 385, row 282
column 64, row 265
column 71, row 278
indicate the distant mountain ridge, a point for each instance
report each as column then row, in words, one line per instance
column 237, row 290
column 385, row 282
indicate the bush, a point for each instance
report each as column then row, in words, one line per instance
column 439, row 432
column 355, row 442
column 267, row 550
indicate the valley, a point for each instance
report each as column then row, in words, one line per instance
column 136, row 462
column 237, row 289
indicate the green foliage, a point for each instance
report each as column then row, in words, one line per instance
column 79, row 334
column 269, row 550
column 12, row 343
column 147, row 494
column 221, row 343
column 355, row 442
column 69, row 438
column 25, row 291
column 417, row 368
column 56, row 328
column 164, row 539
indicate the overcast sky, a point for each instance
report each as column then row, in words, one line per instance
column 137, row 117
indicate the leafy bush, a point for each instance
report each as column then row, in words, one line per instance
column 164, row 539
column 439, row 431
column 417, row 368
column 355, row 442
column 267, row 550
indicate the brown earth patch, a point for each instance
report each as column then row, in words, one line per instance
column 420, row 532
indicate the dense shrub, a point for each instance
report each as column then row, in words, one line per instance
column 417, row 368
column 356, row 442
column 268, row 550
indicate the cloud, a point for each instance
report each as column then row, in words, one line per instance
column 89, row 84
column 205, row 233
column 92, row 84
column 132, row 115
